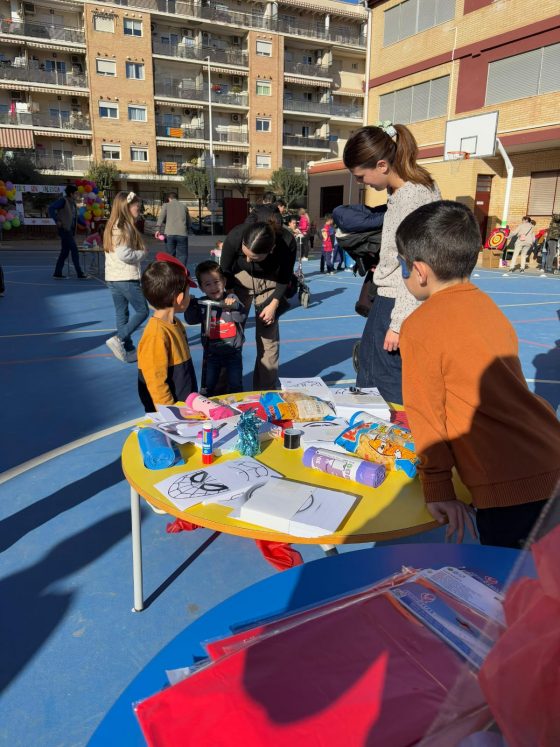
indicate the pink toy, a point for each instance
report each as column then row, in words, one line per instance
column 198, row 403
column 160, row 236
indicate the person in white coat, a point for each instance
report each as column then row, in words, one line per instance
column 524, row 236
column 124, row 252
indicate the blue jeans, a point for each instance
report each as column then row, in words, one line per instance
column 326, row 259
column 178, row 246
column 378, row 367
column 67, row 246
column 232, row 362
column 127, row 292
column 338, row 254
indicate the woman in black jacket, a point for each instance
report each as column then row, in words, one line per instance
column 258, row 260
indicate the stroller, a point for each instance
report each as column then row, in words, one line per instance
column 302, row 289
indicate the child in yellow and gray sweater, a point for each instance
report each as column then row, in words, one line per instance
column 165, row 369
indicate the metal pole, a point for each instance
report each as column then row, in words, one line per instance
column 509, row 171
column 136, row 550
column 211, row 140
column 368, row 64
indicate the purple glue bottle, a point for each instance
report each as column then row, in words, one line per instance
column 345, row 466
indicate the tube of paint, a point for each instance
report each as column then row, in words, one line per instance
column 156, row 448
column 347, row 467
column 207, row 443
column 397, row 434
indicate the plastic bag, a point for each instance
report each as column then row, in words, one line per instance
column 366, row 441
column 521, row 675
column 295, row 406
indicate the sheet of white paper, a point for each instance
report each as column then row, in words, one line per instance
column 219, row 481
column 319, row 514
column 322, row 431
column 181, row 433
column 314, row 385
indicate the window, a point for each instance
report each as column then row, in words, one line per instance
column 111, row 152
column 544, row 193
column 104, row 23
column 132, row 27
column 137, row 114
column 108, row 110
column 528, row 74
column 413, row 16
column 135, row 70
column 55, row 66
column 263, row 162
column 307, row 96
column 59, row 116
column 106, row 67
column 264, row 48
column 415, row 103
column 264, row 88
column 139, row 155
column 263, row 125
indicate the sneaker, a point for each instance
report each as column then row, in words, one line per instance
column 60, row 277
column 131, row 356
column 305, row 259
column 520, row 271
column 83, row 277
column 332, row 272
column 116, row 347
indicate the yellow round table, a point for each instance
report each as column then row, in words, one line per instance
column 395, row 509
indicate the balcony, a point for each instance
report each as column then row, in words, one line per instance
column 58, row 122
column 75, row 164
column 299, row 28
column 221, row 15
column 347, row 111
column 73, row 35
column 198, row 53
column 180, row 133
column 300, row 105
column 344, row 35
column 299, row 141
column 230, row 136
column 33, row 74
column 175, row 88
column 231, row 172
column 304, row 68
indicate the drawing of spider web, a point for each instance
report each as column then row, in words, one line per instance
column 196, row 485
column 251, row 469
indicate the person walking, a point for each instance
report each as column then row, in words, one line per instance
column 177, row 221
column 524, row 235
column 124, row 251
column 304, row 226
column 385, row 158
column 64, row 213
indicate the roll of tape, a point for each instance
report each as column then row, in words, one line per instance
column 292, row 438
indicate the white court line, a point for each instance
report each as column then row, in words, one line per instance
column 36, row 461
column 536, row 303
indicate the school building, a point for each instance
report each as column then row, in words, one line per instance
column 151, row 85
column 439, row 60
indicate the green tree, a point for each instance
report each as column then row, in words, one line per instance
column 240, row 181
column 104, row 174
column 197, row 182
column 19, row 168
column 288, row 184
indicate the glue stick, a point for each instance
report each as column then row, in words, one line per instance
column 207, row 443
column 347, row 467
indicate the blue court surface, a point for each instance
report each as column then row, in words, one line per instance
column 70, row 643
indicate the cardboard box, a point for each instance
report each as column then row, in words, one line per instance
column 491, row 258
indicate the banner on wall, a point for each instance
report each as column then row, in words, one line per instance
column 33, row 200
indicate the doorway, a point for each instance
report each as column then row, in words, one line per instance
column 331, row 197
column 482, row 202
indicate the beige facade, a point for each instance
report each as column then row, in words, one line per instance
column 154, row 86
column 478, row 56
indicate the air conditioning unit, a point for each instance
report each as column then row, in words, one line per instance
column 74, row 100
column 29, row 8
column 17, row 95
column 236, row 41
column 236, row 117
column 187, row 112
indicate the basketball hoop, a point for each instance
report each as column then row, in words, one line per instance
column 455, row 156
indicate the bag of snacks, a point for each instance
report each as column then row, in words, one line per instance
column 295, row 406
column 366, row 441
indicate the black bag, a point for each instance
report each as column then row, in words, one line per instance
column 291, row 290
column 363, row 248
column 368, row 292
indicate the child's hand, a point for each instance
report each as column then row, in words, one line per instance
column 457, row 515
column 230, row 300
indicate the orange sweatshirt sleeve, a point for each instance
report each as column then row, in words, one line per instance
column 424, row 404
column 153, row 362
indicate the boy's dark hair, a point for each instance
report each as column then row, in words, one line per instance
column 70, row 189
column 268, row 198
column 207, row 266
column 259, row 238
column 280, row 203
column 173, row 195
column 162, row 282
column 444, row 235
column 327, row 216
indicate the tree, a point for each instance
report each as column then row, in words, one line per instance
column 197, row 182
column 19, row 168
column 288, row 184
column 241, row 181
column 104, row 174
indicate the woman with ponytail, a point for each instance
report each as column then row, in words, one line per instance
column 385, row 157
column 258, row 260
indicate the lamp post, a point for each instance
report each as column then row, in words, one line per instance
column 212, row 204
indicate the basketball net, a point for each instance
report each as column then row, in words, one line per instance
column 455, row 157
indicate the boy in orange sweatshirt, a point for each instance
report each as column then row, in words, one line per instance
column 465, row 395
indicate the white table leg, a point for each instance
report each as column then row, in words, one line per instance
column 136, row 550
column 329, row 549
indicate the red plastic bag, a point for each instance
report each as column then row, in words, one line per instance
column 521, row 675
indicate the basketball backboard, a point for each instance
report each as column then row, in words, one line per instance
column 474, row 135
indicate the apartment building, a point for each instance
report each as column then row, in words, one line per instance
column 439, row 60
column 156, row 86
